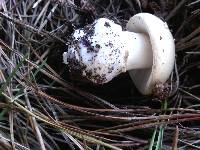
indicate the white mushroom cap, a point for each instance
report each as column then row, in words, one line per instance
column 97, row 51
column 163, row 49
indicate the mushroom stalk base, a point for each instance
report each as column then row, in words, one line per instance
column 139, row 50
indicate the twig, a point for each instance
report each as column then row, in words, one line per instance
column 175, row 139
column 35, row 124
column 175, row 10
column 30, row 28
column 11, row 129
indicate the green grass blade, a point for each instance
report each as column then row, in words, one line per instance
column 8, row 80
column 161, row 132
column 152, row 139
column 160, row 138
column 2, row 113
column 40, row 67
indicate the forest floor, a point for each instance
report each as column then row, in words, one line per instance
column 44, row 106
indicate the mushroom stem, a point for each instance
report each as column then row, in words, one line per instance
column 139, row 50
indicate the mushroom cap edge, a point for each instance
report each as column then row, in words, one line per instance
column 163, row 48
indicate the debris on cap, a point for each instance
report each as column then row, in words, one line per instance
column 97, row 51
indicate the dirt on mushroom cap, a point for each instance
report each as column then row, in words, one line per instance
column 98, row 50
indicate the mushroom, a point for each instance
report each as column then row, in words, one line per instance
column 102, row 50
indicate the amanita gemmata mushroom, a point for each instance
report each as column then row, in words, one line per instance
column 102, row 50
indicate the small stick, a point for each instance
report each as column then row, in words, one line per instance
column 175, row 140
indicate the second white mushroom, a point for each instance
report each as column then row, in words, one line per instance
column 102, row 50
